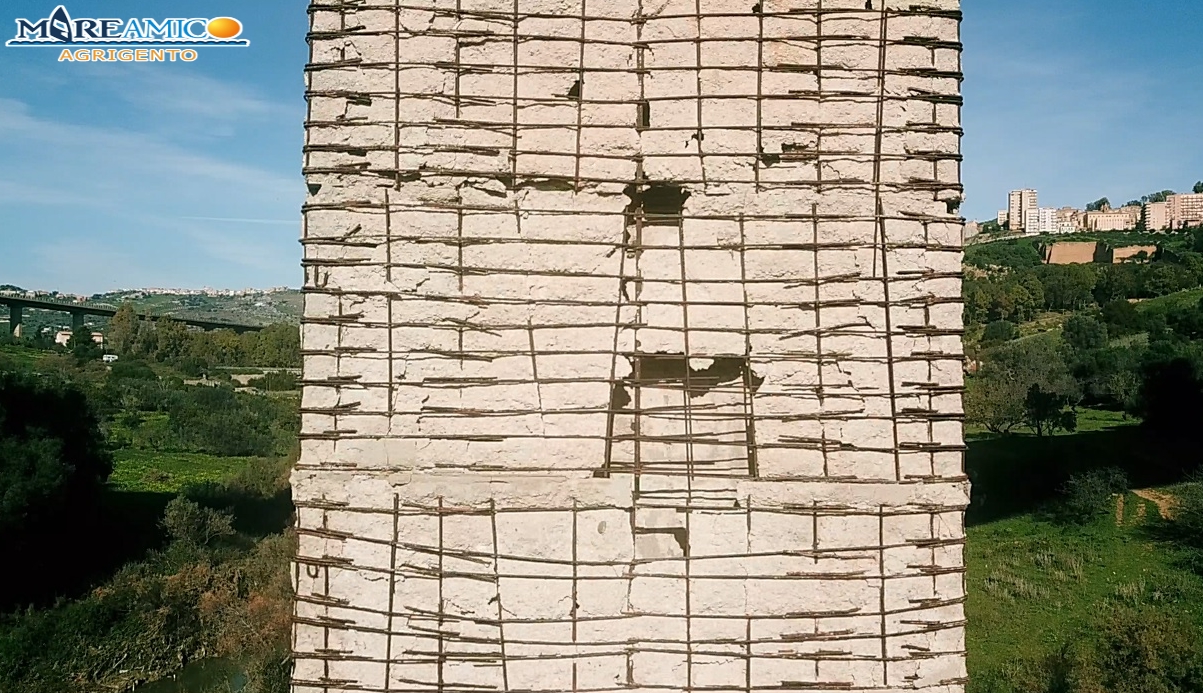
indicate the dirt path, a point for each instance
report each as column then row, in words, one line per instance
column 1119, row 509
column 1165, row 503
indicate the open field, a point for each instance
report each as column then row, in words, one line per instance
column 23, row 356
column 169, row 472
column 1033, row 585
column 1089, row 420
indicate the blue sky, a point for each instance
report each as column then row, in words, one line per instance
column 188, row 175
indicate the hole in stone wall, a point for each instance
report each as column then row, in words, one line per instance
column 620, row 398
column 792, row 151
column 658, row 204
column 314, row 188
column 673, row 371
column 574, row 92
column 645, row 116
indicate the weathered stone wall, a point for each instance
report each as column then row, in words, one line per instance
column 632, row 347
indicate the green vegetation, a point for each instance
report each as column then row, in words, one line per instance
column 1086, row 382
column 150, row 515
column 169, row 341
column 213, row 588
column 1035, row 586
column 1110, row 603
column 171, row 472
column 276, row 381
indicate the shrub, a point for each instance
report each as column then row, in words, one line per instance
column 276, row 381
column 191, row 524
column 1086, row 496
column 210, row 593
column 1185, row 528
column 1141, row 651
column 132, row 369
column 1126, row 650
column 999, row 331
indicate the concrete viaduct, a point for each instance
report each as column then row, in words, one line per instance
column 18, row 304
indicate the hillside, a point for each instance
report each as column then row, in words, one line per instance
column 246, row 307
column 251, row 308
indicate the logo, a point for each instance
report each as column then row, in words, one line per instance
column 146, row 40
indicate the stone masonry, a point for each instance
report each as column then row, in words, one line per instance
column 632, row 348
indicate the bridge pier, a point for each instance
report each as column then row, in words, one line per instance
column 77, row 319
column 14, row 320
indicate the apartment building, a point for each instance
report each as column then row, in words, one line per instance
column 1020, row 202
column 1003, row 216
column 1185, row 210
column 1157, row 216
column 1040, row 221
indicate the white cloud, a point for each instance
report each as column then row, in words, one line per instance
column 192, row 95
column 134, row 208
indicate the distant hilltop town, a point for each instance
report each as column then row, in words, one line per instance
column 1162, row 211
column 140, row 293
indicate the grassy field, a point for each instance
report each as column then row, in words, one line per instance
column 1089, row 420
column 1034, row 585
column 1179, row 299
column 168, row 472
column 23, row 356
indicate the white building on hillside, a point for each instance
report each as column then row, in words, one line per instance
column 1019, row 203
column 1040, row 221
column 63, row 337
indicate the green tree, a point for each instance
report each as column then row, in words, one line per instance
column 996, row 397
column 82, row 345
column 277, row 346
column 1015, row 253
column 171, row 340
column 998, row 332
column 1165, row 278
column 1048, row 412
column 52, row 454
column 1121, row 317
column 1116, row 283
column 1198, row 189
column 1098, row 205
column 122, row 334
column 1068, row 287
column 1083, row 333
column 991, row 228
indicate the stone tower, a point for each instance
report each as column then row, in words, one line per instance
column 632, row 347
